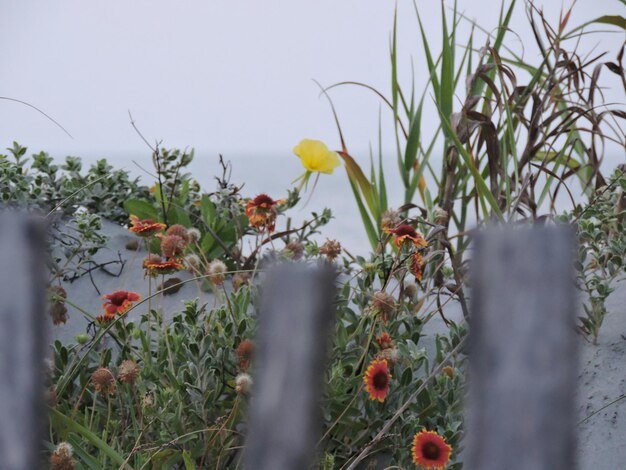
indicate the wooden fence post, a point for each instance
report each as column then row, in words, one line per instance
column 293, row 328
column 23, row 321
column 522, row 350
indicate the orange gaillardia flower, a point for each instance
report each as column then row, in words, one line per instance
column 261, row 212
column 405, row 232
column 104, row 319
column 384, row 341
column 430, row 450
column 377, row 380
column 417, row 263
column 119, row 302
column 145, row 227
column 155, row 265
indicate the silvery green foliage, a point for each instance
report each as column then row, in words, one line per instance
column 38, row 183
column 73, row 200
column 601, row 227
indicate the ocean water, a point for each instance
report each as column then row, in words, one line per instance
column 274, row 175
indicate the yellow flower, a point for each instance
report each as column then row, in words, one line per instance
column 316, row 157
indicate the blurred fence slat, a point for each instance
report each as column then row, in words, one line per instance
column 295, row 320
column 23, row 320
column 523, row 361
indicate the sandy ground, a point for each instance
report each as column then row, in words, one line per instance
column 84, row 291
column 602, row 437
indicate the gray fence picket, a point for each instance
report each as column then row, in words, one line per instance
column 523, row 351
column 23, row 322
column 294, row 323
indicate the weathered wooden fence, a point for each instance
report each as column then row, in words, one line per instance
column 522, row 353
column 22, row 340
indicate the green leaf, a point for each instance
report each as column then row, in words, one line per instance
column 141, row 208
column 189, row 465
column 413, row 140
column 207, row 208
column 58, row 420
column 614, row 20
column 178, row 215
column 446, row 90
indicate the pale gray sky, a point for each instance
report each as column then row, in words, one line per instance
column 229, row 76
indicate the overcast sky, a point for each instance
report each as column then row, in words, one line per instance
column 224, row 76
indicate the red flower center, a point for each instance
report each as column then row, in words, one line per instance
column 263, row 200
column 118, row 298
column 405, row 230
column 380, row 380
column 431, row 451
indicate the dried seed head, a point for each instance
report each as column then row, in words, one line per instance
column 217, row 270
column 172, row 246
column 294, row 250
column 384, row 304
column 193, row 234
column 178, row 231
column 390, row 219
column 192, row 261
column 129, row 371
column 243, row 383
column 103, row 381
column 392, row 355
column 58, row 313
column 57, row 293
column 331, row 249
column 58, row 310
column 240, row 280
column 61, row 458
column 245, row 353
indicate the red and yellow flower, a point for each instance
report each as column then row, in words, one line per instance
column 119, row 302
column 104, row 319
column 155, row 265
column 430, row 450
column 261, row 212
column 417, row 266
column 405, row 233
column 377, row 380
column 144, row 227
column 384, row 341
